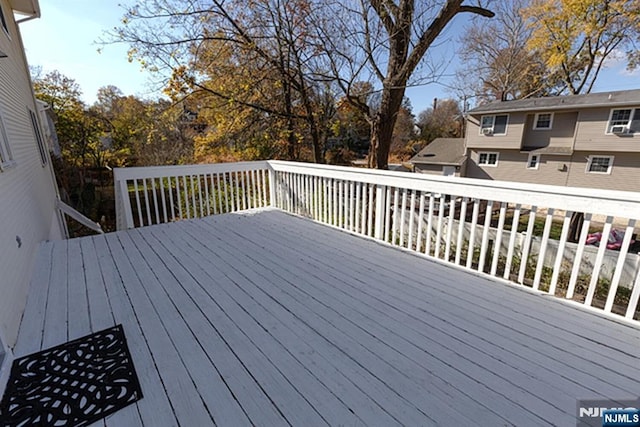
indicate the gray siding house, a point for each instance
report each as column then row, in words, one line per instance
column 588, row 140
column 443, row 156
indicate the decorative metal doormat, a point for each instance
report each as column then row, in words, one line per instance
column 73, row 384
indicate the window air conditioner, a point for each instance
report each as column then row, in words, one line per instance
column 619, row 129
column 487, row 131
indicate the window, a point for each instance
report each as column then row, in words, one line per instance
column 488, row 159
column 543, row 121
column 3, row 21
column 494, row 125
column 599, row 164
column 533, row 161
column 38, row 134
column 6, row 158
column 620, row 121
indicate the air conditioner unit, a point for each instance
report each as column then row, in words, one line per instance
column 487, row 131
column 619, row 129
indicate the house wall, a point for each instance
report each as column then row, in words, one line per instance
column 561, row 133
column 512, row 167
column 560, row 170
column 27, row 189
column 591, row 133
column 512, row 140
column 625, row 173
column 432, row 169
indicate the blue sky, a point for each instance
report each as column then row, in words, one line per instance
column 64, row 39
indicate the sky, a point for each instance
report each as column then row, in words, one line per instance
column 65, row 39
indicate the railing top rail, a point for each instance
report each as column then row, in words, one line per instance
column 140, row 172
column 595, row 201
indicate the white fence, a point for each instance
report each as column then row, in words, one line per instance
column 446, row 218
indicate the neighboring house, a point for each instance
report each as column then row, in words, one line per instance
column 443, row 156
column 588, row 140
column 28, row 194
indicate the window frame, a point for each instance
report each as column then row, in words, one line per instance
column 531, row 156
column 37, row 133
column 488, row 154
column 6, row 156
column 3, row 22
column 632, row 112
column 537, row 117
column 493, row 124
column 590, row 160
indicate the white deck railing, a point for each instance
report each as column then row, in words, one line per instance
column 513, row 231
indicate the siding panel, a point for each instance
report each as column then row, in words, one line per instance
column 512, row 140
column 590, row 135
column 27, row 190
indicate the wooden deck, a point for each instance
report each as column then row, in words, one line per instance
column 264, row 318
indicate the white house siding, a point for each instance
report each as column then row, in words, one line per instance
column 591, row 132
column 512, row 167
column 27, row 189
column 512, row 139
column 625, row 173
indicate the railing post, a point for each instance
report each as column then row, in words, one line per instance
column 272, row 188
column 124, row 214
column 380, row 211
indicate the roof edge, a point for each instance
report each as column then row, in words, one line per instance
column 29, row 8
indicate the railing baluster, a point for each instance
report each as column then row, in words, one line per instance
column 412, row 209
column 498, row 241
column 512, row 241
column 193, row 197
column 403, row 216
column 461, row 223
column 263, row 181
column 622, row 257
column 352, row 216
column 214, row 193
column 206, row 179
column 172, row 180
column 595, row 275
column 634, row 298
column 386, row 212
column 441, row 208
column 357, row 208
column 543, row 249
column 146, row 200
column 155, row 200
column 488, row 213
column 472, row 233
column 135, row 189
column 164, row 200
column 199, row 182
column 527, row 244
column 452, row 213
column 394, row 229
column 575, row 271
column 370, row 209
column 427, row 245
column 557, row 265
column 420, row 221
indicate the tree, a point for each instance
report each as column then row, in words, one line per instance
column 444, row 120
column 404, row 132
column 257, row 55
column 389, row 43
column 503, row 68
column 574, row 38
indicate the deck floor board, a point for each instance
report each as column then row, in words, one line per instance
column 264, row 318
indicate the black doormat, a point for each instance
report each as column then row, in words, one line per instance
column 73, row 384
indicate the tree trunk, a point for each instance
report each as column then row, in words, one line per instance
column 382, row 127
